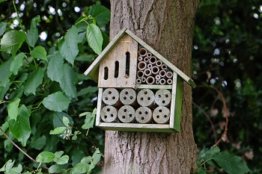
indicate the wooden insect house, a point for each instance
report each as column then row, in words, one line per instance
column 139, row 90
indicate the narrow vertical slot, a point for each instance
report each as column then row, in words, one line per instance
column 127, row 64
column 105, row 73
column 116, row 69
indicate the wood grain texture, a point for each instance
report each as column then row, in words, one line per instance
column 118, row 54
column 167, row 26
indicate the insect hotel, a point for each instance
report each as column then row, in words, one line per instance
column 139, row 90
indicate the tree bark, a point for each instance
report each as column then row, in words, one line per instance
column 167, row 26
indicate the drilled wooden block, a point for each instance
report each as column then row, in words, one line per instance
column 128, row 96
column 145, row 97
column 143, row 115
column 163, row 97
column 108, row 114
column 161, row 115
column 110, row 96
column 126, row 114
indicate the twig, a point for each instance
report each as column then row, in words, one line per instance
column 21, row 150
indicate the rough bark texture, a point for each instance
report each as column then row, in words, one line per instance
column 167, row 26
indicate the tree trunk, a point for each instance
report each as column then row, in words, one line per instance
column 167, row 26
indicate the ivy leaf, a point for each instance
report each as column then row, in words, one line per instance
column 39, row 52
column 100, row 13
column 17, row 63
column 55, row 65
column 34, row 80
column 32, row 33
column 94, row 38
column 56, row 102
column 20, row 128
column 69, row 47
column 58, row 130
column 68, row 81
column 12, row 41
column 2, row 28
column 45, row 157
column 12, row 109
column 230, row 163
column 38, row 143
column 96, row 157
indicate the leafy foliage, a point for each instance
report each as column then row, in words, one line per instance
column 45, row 100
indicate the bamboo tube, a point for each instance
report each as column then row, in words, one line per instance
column 108, row 114
column 161, row 115
column 141, row 65
column 169, row 81
column 149, row 66
column 149, row 55
column 169, row 74
column 140, row 74
column 153, row 60
column 140, row 58
column 142, row 52
column 126, row 114
column 155, row 70
column 146, row 59
column 163, row 66
column 147, row 72
column 162, row 73
column 158, row 77
column 110, row 96
column 150, row 80
column 163, row 97
column 128, row 96
column 138, row 81
column 143, row 115
column 162, row 81
column 143, row 80
column 159, row 63
column 145, row 97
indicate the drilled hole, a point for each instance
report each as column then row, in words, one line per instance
column 146, row 112
column 148, row 98
column 113, row 98
column 160, row 110
column 123, row 117
column 140, row 112
column 157, row 116
column 107, row 109
column 130, row 115
column 142, row 118
column 112, row 115
column 106, row 98
column 125, row 110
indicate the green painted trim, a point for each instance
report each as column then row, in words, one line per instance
column 178, row 107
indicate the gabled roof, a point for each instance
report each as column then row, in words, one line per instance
column 92, row 70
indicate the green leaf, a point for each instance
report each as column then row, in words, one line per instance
column 17, row 63
column 68, row 81
column 34, row 80
column 9, row 168
column 39, row 52
column 45, row 157
column 96, row 157
column 12, row 109
column 2, row 28
column 5, row 73
column 94, row 38
column 208, row 154
column 89, row 121
column 230, row 163
column 61, row 159
column 20, row 128
column 80, row 168
column 69, row 47
column 100, row 13
column 66, row 121
column 58, row 130
column 12, row 41
column 32, row 33
column 56, row 102
column 55, row 169
column 55, row 66
column 38, row 143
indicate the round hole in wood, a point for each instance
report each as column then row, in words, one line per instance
column 142, row 118
column 148, row 98
column 108, row 109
